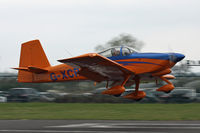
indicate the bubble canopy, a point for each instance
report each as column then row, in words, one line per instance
column 118, row 51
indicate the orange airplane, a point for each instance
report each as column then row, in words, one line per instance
column 119, row 65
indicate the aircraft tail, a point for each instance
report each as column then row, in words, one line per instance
column 33, row 60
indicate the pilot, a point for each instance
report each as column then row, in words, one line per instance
column 115, row 52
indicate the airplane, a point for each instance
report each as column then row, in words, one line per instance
column 122, row 66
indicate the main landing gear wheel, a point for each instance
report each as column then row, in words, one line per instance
column 139, row 95
column 136, row 95
column 138, row 99
column 117, row 95
column 116, row 90
column 167, row 91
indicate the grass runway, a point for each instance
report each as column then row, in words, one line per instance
column 99, row 111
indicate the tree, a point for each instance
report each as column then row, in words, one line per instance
column 122, row 40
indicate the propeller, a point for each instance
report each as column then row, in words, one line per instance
column 171, row 55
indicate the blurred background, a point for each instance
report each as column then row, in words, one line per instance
column 74, row 27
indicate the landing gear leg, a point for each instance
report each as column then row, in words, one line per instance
column 136, row 95
column 166, row 88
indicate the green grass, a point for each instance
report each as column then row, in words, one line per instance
column 100, row 111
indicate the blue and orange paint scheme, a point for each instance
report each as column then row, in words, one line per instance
column 119, row 65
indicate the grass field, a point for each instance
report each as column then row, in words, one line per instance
column 100, row 111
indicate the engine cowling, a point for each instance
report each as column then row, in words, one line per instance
column 163, row 72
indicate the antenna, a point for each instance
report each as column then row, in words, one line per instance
column 69, row 53
column 170, row 48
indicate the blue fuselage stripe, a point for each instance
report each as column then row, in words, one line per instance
column 160, row 56
column 135, row 62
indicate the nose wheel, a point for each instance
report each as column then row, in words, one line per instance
column 166, row 88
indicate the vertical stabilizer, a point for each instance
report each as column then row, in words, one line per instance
column 32, row 55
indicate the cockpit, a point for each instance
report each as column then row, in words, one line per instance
column 117, row 51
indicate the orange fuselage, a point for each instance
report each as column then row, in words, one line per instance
column 63, row 72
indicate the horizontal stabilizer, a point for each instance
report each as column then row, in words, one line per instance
column 22, row 68
column 32, row 69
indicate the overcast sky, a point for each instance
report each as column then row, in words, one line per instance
column 78, row 26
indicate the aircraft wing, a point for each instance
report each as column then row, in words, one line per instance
column 97, row 68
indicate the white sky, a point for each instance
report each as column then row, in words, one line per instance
column 78, row 26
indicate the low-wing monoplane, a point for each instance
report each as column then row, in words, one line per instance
column 118, row 66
